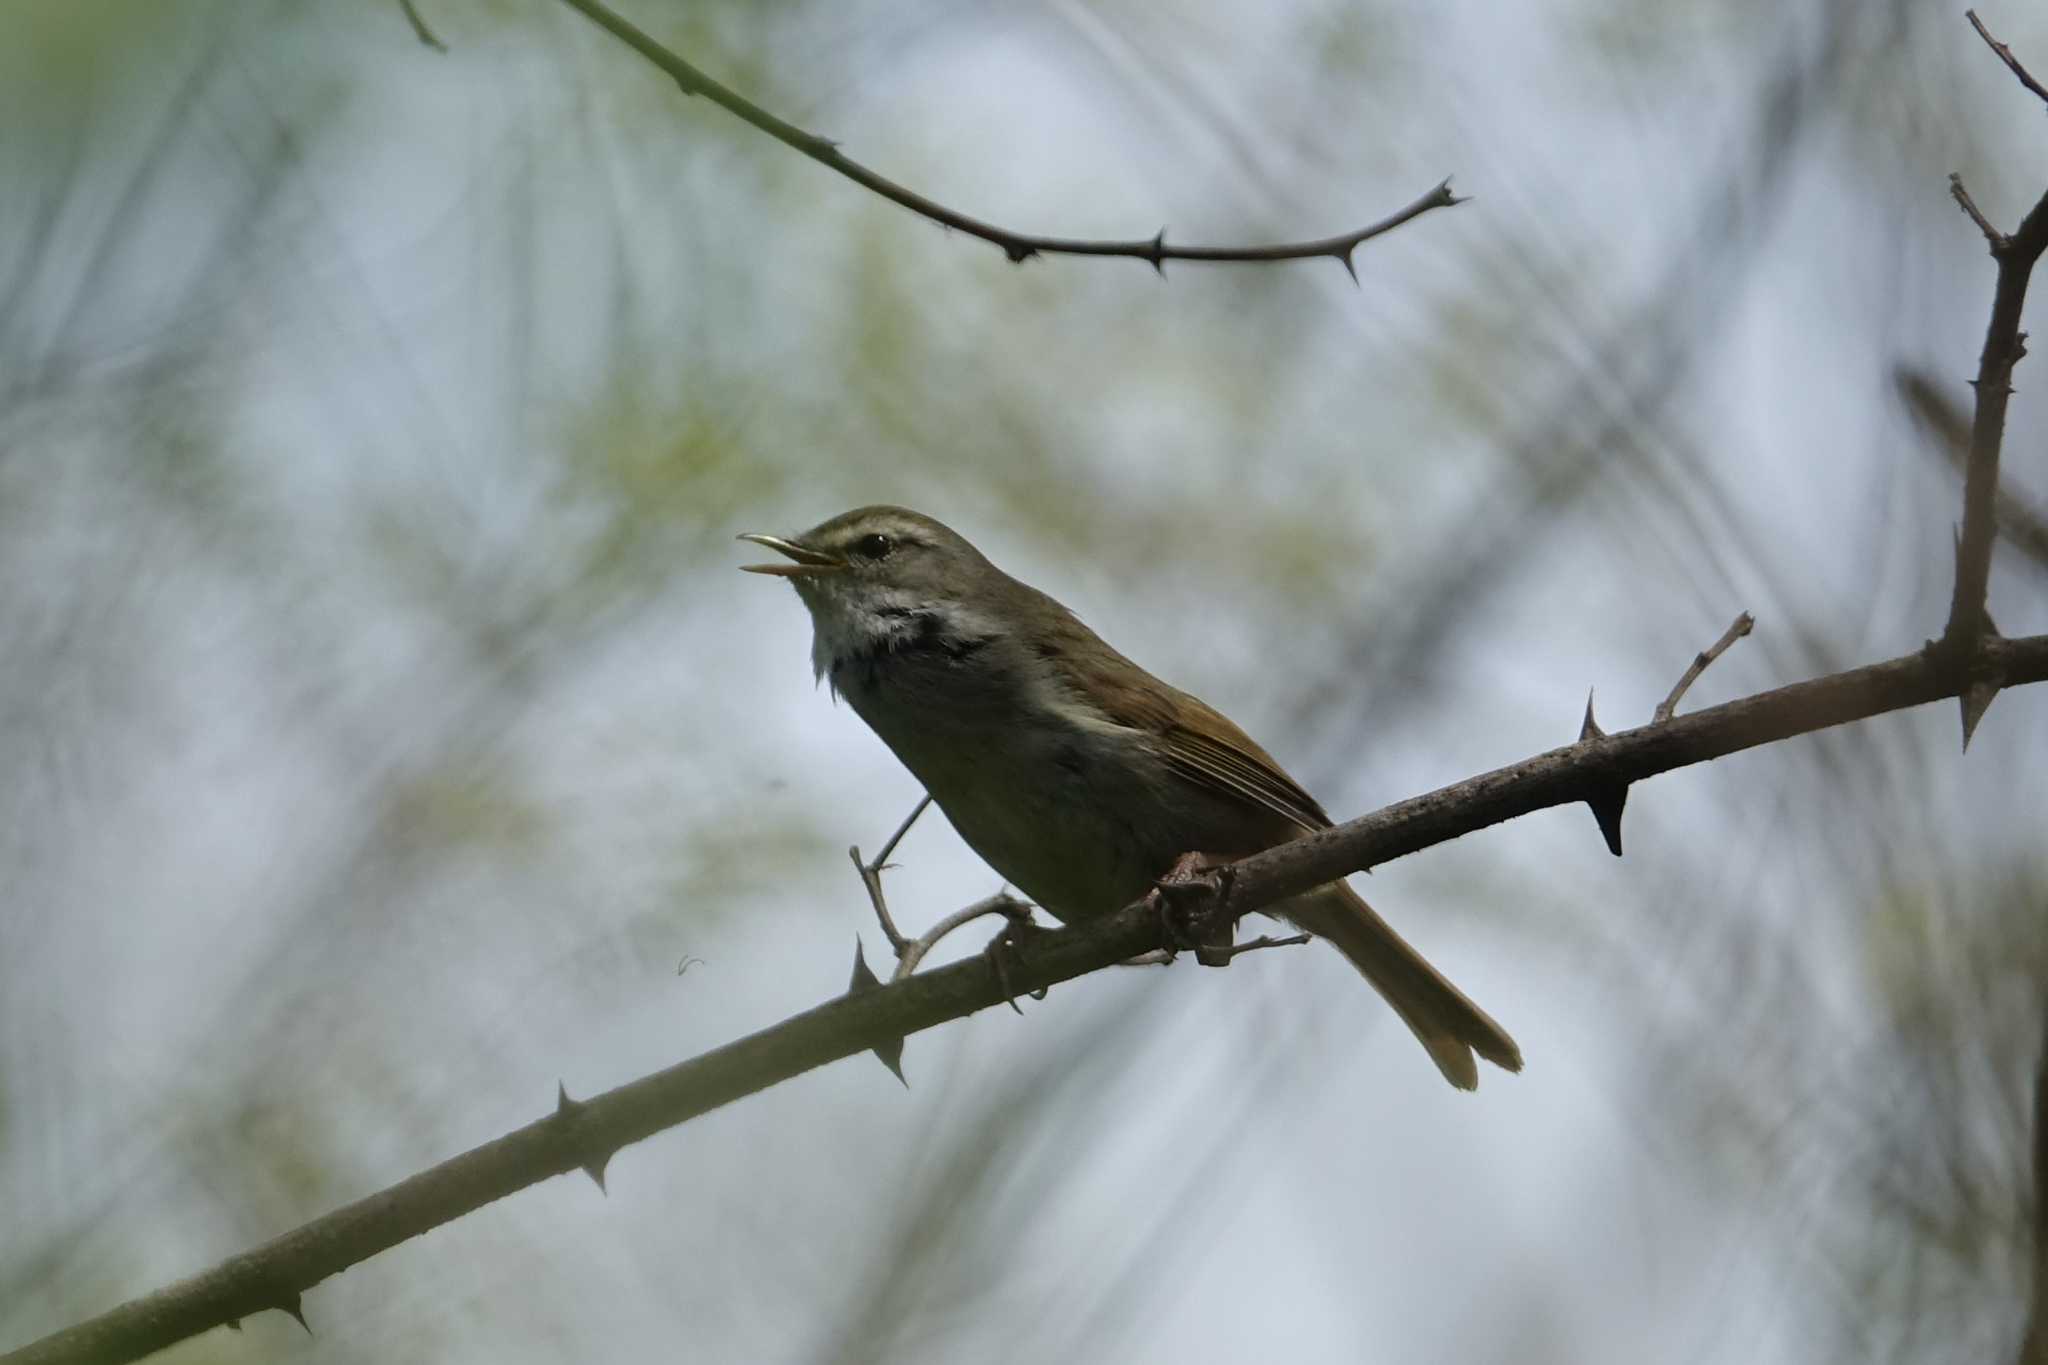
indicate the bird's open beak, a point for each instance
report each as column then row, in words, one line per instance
column 805, row 562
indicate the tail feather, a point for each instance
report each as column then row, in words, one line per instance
column 1449, row 1025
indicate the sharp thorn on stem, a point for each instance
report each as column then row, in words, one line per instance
column 1976, row 700
column 1606, row 799
column 889, row 1052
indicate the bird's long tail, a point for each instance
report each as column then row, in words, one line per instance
column 1449, row 1025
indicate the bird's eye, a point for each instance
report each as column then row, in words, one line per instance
column 873, row 546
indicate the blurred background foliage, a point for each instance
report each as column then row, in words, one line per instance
column 383, row 721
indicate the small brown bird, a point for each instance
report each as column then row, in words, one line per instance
column 1077, row 775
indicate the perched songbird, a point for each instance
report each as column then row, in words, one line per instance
column 1077, row 775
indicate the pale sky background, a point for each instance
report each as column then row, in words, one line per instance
column 387, row 719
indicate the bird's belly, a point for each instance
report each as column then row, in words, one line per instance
column 1076, row 845
column 1075, row 820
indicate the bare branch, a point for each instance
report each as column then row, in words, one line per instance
column 2003, row 346
column 1018, row 246
column 1564, row 775
column 2005, row 55
column 583, row 1135
column 1742, row 625
column 1968, row 622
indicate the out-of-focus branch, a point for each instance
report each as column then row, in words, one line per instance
column 2034, row 1348
column 1018, row 246
column 427, row 36
column 584, row 1135
column 2024, row 526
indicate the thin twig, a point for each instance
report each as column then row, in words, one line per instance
column 419, row 26
column 871, row 875
column 1018, row 246
column 1741, row 626
column 582, row 1135
column 1216, row 957
column 1962, row 196
column 2005, row 55
column 1001, row 903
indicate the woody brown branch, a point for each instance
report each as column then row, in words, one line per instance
column 2012, row 63
column 270, row 1275
column 2004, row 344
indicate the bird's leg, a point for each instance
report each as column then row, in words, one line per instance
column 1018, row 926
column 1194, row 886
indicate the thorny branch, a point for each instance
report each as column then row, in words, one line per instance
column 912, row 951
column 1969, row 624
column 1607, row 800
column 1018, row 246
column 584, row 1135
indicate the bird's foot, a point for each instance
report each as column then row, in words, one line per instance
column 1185, row 899
column 1017, row 927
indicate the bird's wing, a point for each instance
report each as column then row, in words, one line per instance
column 1196, row 740
column 1205, row 746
